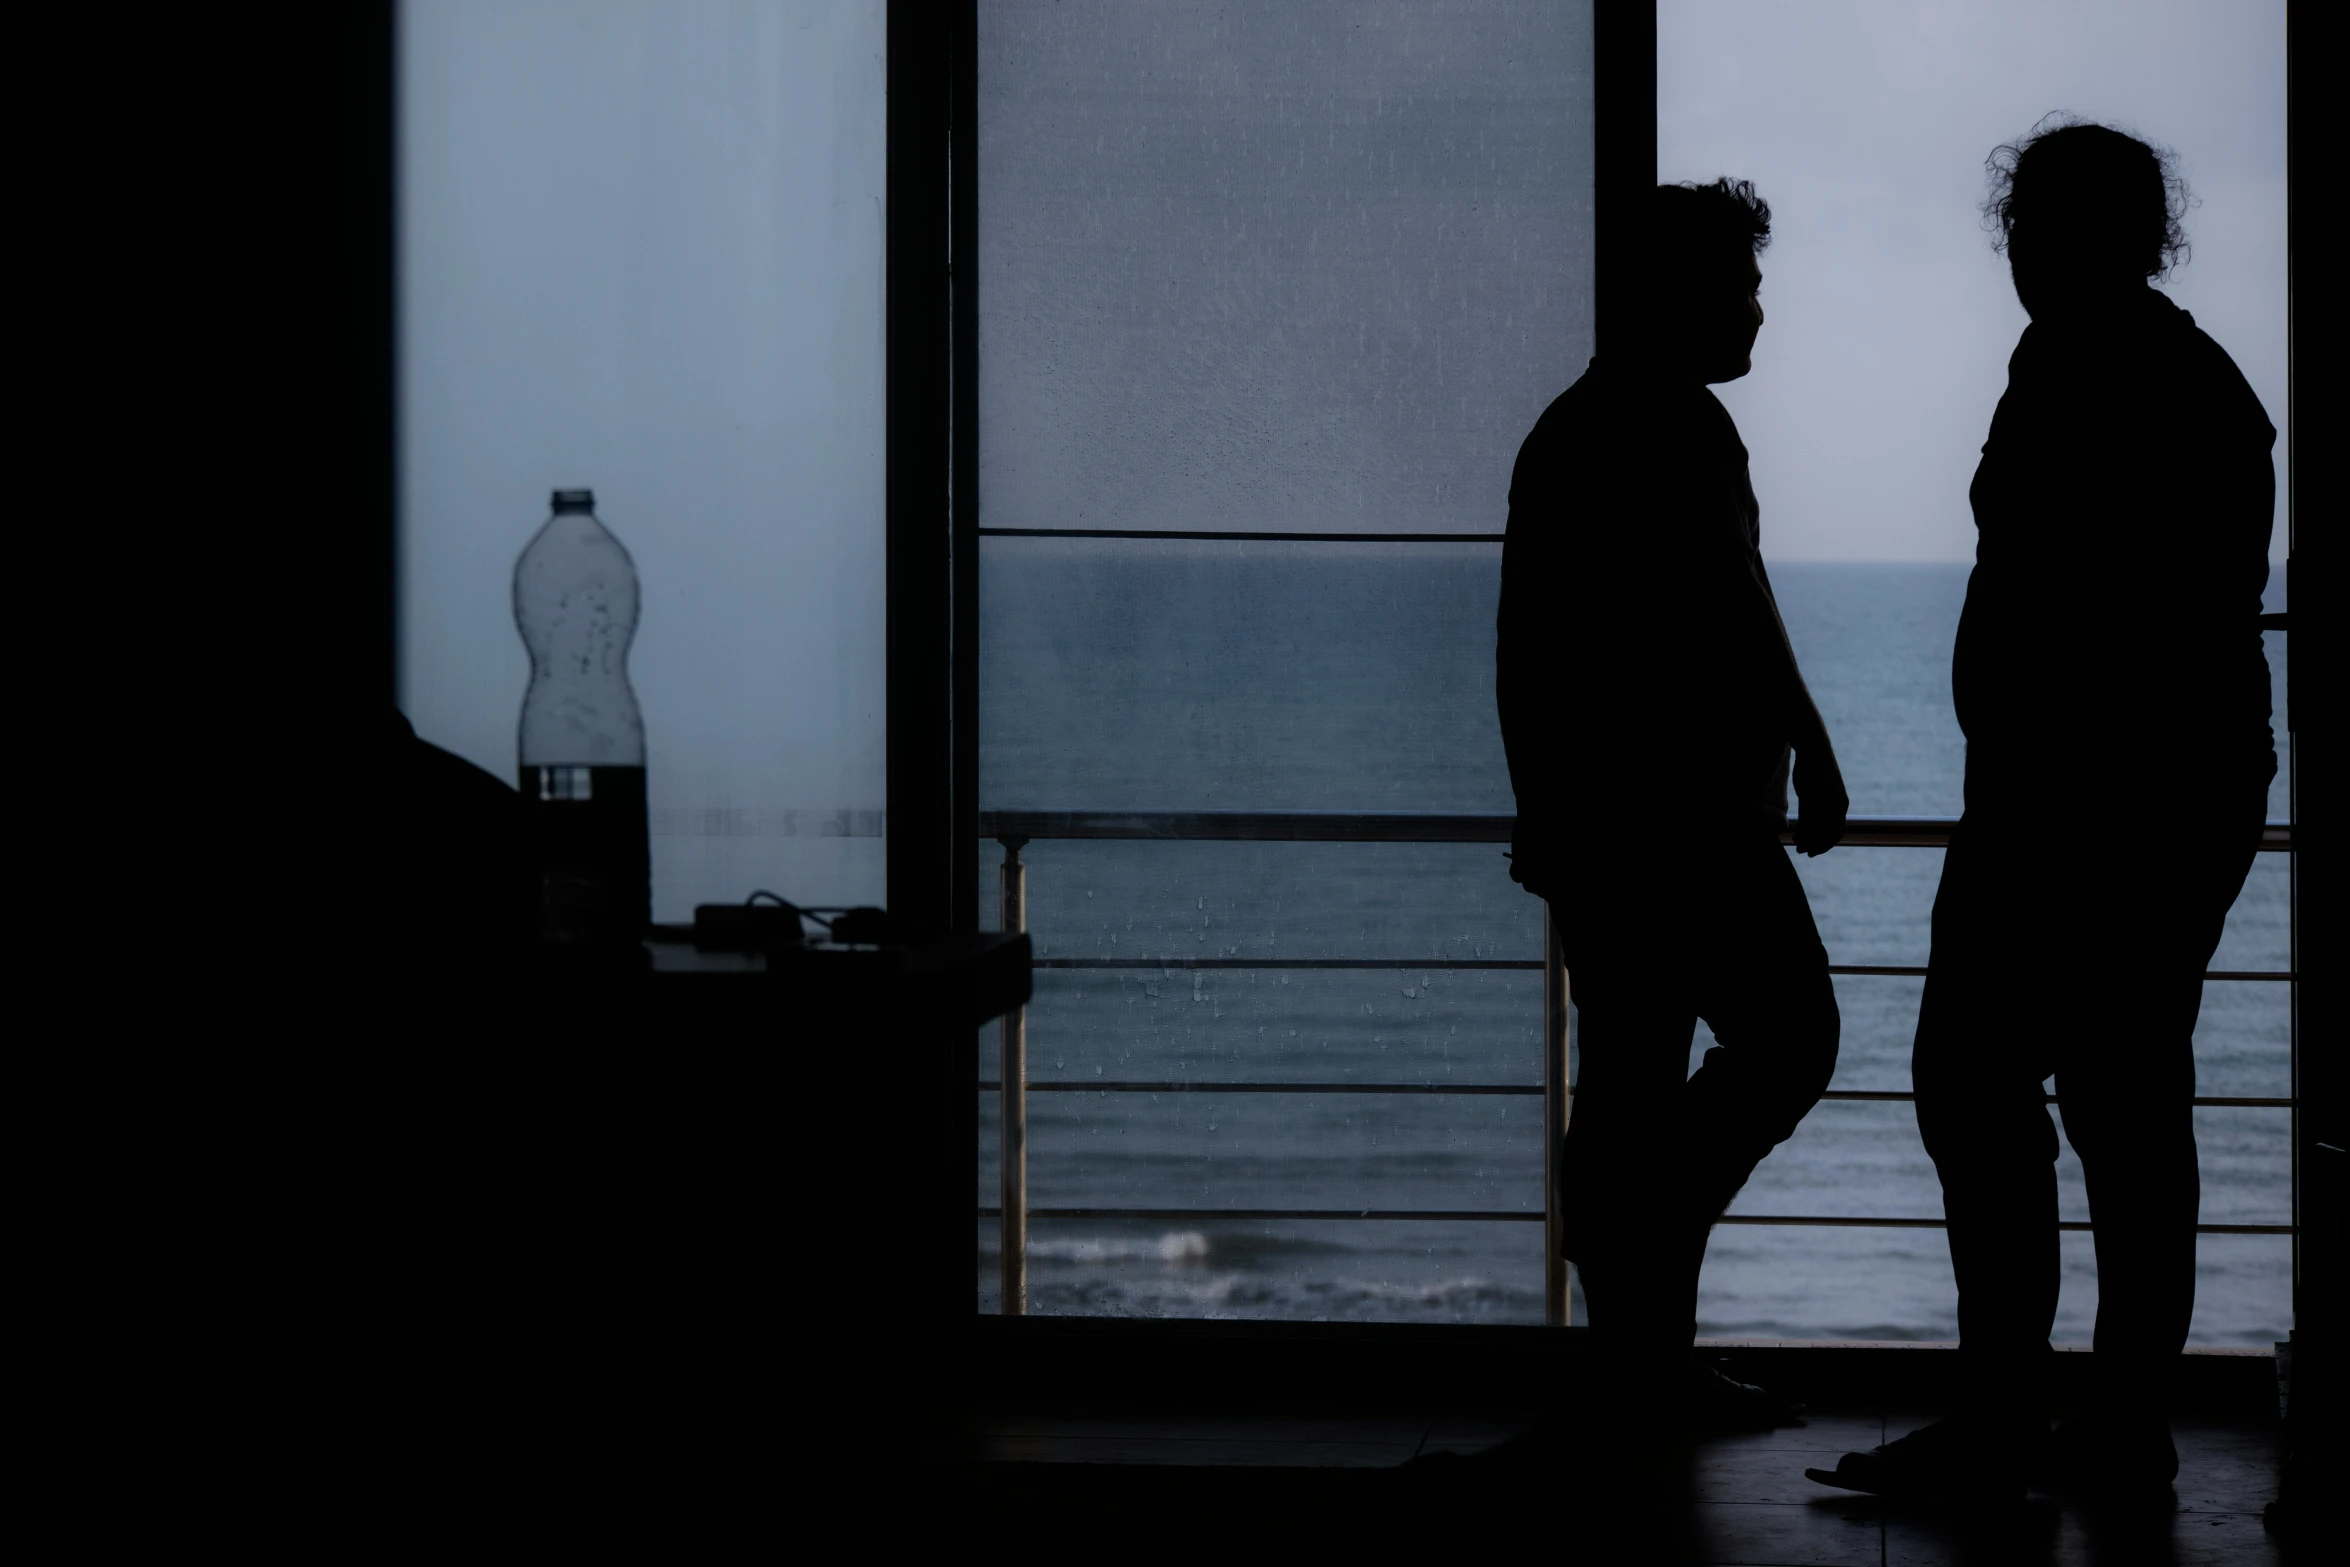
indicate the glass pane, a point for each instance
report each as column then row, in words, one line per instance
column 2243, row 1042
column 1863, row 1158
column 1295, row 1269
column 1879, row 1014
column 1873, row 905
column 1147, row 674
column 1106, row 1035
column 1150, row 902
column 1896, row 1285
column 1874, row 640
column 1269, row 268
column 1285, row 1150
column 1359, row 1027
column 640, row 251
column 2243, row 1291
column 1769, row 1283
column 1890, row 322
column 1890, row 319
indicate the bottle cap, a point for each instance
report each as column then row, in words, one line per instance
column 575, row 500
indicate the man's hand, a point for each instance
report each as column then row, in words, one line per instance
column 1823, row 804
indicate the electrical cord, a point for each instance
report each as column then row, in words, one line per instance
column 818, row 915
column 713, row 931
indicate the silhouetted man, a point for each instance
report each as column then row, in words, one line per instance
column 2108, row 662
column 1649, row 700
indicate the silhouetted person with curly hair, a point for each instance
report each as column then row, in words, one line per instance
column 2109, row 655
column 1649, row 704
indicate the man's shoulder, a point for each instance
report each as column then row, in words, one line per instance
column 1587, row 417
column 2232, row 408
column 1569, row 411
column 1600, row 406
column 1625, row 426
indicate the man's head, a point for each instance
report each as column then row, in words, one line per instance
column 2084, row 212
column 1701, row 277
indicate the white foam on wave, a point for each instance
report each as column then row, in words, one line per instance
column 1238, row 1295
column 1445, row 1296
column 1176, row 1246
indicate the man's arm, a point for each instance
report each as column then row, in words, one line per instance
column 1522, row 664
column 1576, row 636
column 1823, row 804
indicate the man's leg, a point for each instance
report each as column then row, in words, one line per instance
column 2127, row 1088
column 1766, row 994
column 2126, row 1082
column 1618, row 1171
column 2128, row 1112
column 1978, row 1064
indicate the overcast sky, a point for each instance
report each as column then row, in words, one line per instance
column 1865, row 124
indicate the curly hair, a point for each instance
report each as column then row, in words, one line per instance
column 2105, row 197
column 1703, row 215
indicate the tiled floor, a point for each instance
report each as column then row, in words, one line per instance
column 1318, row 1484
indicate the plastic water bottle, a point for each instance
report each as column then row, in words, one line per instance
column 582, row 735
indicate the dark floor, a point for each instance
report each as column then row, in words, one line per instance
column 1323, row 1484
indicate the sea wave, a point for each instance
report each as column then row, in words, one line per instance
column 1176, row 1246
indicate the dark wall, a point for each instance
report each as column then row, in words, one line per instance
column 198, row 209
column 2321, row 872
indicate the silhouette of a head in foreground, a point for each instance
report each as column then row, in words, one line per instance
column 1700, row 306
column 2086, row 214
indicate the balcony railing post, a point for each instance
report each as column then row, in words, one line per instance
column 1013, row 1103
column 1555, row 1287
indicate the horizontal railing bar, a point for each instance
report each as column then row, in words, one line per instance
column 1863, row 970
column 1905, row 1096
column 1242, row 1215
column 1839, row 1095
column 1249, row 826
column 1218, row 535
column 1483, row 1216
column 1855, row 1222
column 1892, row 832
column 1287, row 963
column 1078, row 1086
column 1925, row 832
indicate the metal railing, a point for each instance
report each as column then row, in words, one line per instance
column 1014, row 830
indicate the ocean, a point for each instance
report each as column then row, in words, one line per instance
column 1276, row 676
